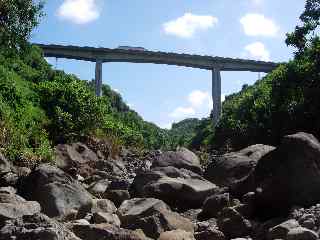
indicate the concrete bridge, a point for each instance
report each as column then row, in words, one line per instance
column 214, row 64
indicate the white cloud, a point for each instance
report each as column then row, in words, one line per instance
column 188, row 24
column 79, row 11
column 257, row 2
column 257, row 51
column 197, row 98
column 258, row 25
column 223, row 97
column 181, row 112
column 166, row 125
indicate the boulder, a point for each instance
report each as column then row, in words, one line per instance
column 180, row 188
column 37, row 226
column 103, row 217
column 176, row 235
column 97, row 205
column 13, row 206
column 228, row 169
column 287, row 176
column 57, row 192
column 115, row 169
column 98, row 188
column 117, row 196
column 233, row 224
column 301, row 233
column 106, row 231
column 182, row 158
column 280, row 231
column 210, row 234
column 151, row 215
column 4, row 165
column 74, row 155
column 214, row 204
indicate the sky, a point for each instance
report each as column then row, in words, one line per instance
column 250, row 29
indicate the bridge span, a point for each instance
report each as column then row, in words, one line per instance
column 214, row 64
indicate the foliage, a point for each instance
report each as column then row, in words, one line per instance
column 285, row 101
column 17, row 19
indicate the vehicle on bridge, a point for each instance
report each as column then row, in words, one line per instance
column 131, row 48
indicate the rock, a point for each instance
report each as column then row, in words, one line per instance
column 151, row 215
column 4, row 165
column 97, row 205
column 117, row 196
column 121, row 184
column 280, row 231
column 35, row 227
column 232, row 224
column 13, row 206
column 103, row 217
column 74, row 155
column 178, row 187
column 228, row 169
column 58, row 193
column 176, row 235
column 214, row 204
column 9, row 179
column 210, row 234
column 99, row 187
column 182, row 158
column 106, row 231
column 114, row 168
column 288, row 176
column 301, row 233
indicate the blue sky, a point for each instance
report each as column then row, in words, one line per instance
column 253, row 29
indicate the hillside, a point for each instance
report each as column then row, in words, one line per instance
column 42, row 107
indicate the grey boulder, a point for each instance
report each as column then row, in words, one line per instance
column 180, row 188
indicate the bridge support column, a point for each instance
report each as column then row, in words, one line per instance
column 216, row 95
column 98, row 78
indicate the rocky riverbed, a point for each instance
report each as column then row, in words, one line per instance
column 261, row 192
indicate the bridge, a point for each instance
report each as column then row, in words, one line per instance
column 214, row 64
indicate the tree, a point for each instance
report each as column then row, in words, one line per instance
column 17, row 20
column 304, row 35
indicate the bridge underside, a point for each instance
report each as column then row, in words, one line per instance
column 215, row 64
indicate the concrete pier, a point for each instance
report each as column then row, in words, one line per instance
column 98, row 78
column 216, row 95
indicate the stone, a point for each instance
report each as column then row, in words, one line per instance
column 120, row 184
column 117, row 196
column 214, row 204
column 103, row 217
column 114, row 168
column 106, row 231
column 232, row 224
column 35, row 227
column 99, row 187
column 179, row 188
column 210, row 234
column 5, row 166
column 13, row 206
column 57, row 192
column 151, row 215
column 176, row 235
column 301, row 233
column 280, row 231
column 228, row 169
column 97, row 205
column 182, row 158
column 74, row 155
column 279, row 178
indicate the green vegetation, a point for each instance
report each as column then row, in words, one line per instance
column 41, row 107
column 285, row 101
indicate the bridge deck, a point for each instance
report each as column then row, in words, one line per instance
column 137, row 56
